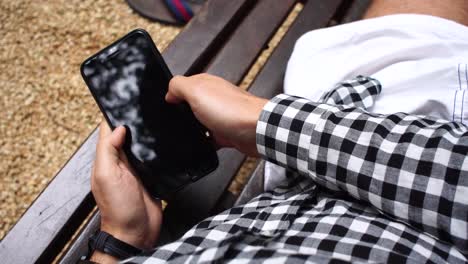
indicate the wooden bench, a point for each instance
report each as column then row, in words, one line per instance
column 224, row 39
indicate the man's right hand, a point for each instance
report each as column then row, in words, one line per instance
column 229, row 112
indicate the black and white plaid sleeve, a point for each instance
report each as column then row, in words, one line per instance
column 360, row 91
column 391, row 189
column 412, row 168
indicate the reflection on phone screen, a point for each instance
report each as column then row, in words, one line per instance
column 130, row 85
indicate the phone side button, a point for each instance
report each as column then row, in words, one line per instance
column 195, row 177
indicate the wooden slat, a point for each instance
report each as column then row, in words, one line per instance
column 356, row 11
column 80, row 247
column 236, row 57
column 231, row 63
column 54, row 216
column 314, row 15
column 204, row 35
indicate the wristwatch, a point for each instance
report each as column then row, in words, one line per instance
column 105, row 242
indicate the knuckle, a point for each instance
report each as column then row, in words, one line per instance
column 204, row 77
column 99, row 179
column 96, row 175
column 93, row 187
column 176, row 80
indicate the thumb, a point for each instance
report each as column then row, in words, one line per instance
column 108, row 153
column 176, row 90
column 172, row 98
column 117, row 138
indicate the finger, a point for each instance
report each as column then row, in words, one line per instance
column 117, row 137
column 104, row 130
column 123, row 157
column 173, row 99
column 117, row 140
column 109, row 144
column 148, row 199
column 177, row 89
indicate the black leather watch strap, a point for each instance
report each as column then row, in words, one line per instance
column 85, row 261
column 108, row 244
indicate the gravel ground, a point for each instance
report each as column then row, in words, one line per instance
column 46, row 108
column 47, row 111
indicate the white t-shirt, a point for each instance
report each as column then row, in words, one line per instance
column 421, row 62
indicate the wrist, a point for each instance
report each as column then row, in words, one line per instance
column 257, row 108
column 102, row 258
column 249, row 144
column 109, row 249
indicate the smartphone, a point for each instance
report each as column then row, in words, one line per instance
column 165, row 143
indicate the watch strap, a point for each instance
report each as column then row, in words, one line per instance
column 85, row 261
column 108, row 244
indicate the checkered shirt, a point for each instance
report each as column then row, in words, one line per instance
column 361, row 187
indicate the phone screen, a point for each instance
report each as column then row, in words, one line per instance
column 167, row 146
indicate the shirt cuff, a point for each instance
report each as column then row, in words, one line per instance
column 284, row 131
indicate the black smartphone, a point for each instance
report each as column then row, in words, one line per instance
column 165, row 143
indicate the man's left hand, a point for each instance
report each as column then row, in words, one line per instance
column 128, row 212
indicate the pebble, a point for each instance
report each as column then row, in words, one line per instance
column 47, row 111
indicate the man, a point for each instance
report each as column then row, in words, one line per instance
column 360, row 186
